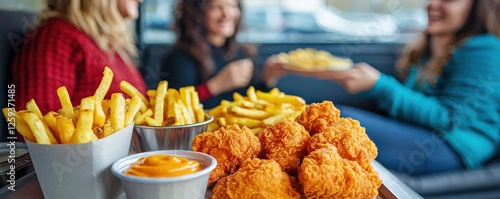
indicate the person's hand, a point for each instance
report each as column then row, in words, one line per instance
column 273, row 71
column 236, row 74
column 362, row 77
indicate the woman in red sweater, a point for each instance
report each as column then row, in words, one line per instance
column 75, row 40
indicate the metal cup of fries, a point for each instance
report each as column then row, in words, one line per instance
column 80, row 170
column 153, row 138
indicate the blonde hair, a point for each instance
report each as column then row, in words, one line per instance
column 483, row 18
column 99, row 19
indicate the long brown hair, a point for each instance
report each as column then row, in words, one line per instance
column 192, row 34
column 482, row 19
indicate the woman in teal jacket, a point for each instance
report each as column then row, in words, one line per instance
column 445, row 114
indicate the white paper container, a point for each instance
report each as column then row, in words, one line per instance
column 80, row 170
column 191, row 186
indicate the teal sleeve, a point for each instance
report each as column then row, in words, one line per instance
column 466, row 95
column 404, row 103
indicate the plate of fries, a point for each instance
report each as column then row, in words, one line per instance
column 308, row 59
column 256, row 110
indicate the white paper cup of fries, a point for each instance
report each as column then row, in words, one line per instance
column 80, row 170
column 189, row 186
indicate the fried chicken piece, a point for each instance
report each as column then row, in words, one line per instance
column 318, row 116
column 324, row 174
column 256, row 179
column 230, row 146
column 349, row 138
column 285, row 142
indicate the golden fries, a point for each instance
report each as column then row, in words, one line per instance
column 94, row 118
column 67, row 107
column 312, row 59
column 103, row 88
column 83, row 129
column 257, row 110
column 169, row 107
column 117, row 111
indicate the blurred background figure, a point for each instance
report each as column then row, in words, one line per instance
column 449, row 102
column 206, row 53
column 74, row 41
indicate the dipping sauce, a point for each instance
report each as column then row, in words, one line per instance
column 163, row 165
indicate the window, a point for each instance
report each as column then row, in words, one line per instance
column 26, row 5
column 307, row 21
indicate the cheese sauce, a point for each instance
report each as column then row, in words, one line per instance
column 163, row 166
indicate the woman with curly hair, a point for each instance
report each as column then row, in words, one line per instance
column 74, row 41
column 206, row 53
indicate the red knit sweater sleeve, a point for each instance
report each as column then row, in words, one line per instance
column 45, row 63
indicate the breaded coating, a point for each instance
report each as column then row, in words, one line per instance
column 318, row 116
column 285, row 142
column 230, row 146
column 349, row 138
column 324, row 174
column 256, row 179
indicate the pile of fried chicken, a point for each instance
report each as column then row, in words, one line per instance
column 317, row 155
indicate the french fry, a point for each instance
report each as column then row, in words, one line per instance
column 251, row 94
column 32, row 107
column 185, row 95
column 222, row 122
column 213, row 126
column 37, row 127
column 294, row 100
column 65, row 127
column 117, row 111
column 249, row 113
column 67, row 106
column 152, row 122
column 99, row 115
column 243, row 121
column 200, row 115
column 131, row 91
column 144, row 108
column 274, row 119
column 173, row 95
column 133, row 108
column 237, row 97
column 151, row 93
column 83, row 131
column 104, row 85
column 218, row 111
column 161, row 92
column 22, row 127
column 105, row 107
column 185, row 113
column 141, row 119
column 195, row 100
column 107, row 129
column 50, row 121
column 274, row 91
column 178, row 115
